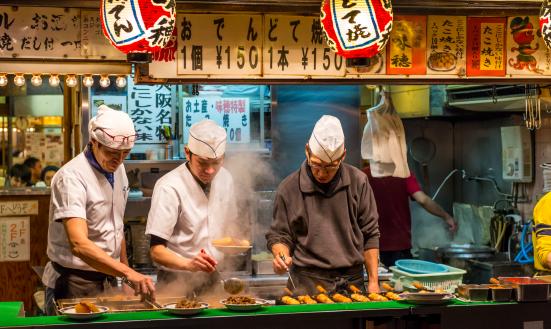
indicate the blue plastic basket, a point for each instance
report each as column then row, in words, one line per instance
column 420, row 266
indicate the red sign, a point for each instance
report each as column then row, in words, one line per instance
column 486, row 46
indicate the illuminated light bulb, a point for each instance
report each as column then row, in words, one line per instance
column 88, row 81
column 19, row 80
column 71, row 81
column 54, row 80
column 3, row 80
column 104, row 82
column 120, row 82
column 36, row 80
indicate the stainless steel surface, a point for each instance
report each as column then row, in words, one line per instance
column 146, row 297
column 262, row 267
column 528, row 289
column 473, row 292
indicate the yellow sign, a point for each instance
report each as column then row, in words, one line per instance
column 446, row 44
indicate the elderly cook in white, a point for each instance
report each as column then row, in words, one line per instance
column 86, row 244
column 190, row 207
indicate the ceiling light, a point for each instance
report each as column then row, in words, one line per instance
column 71, row 81
column 36, row 80
column 54, row 80
column 19, row 80
column 3, row 80
column 121, row 82
column 88, row 81
column 104, row 82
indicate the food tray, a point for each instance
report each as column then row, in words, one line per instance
column 447, row 281
column 473, row 292
column 528, row 289
column 502, row 293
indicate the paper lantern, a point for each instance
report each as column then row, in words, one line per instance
column 356, row 29
column 545, row 22
column 138, row 27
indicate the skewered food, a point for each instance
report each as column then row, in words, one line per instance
column 377, row 298
column 306, row 299
column 339, row 298
column 393, row 296
column 418, row 285
column 289, row 300
column 354, row 289
column 240, row 300
column 86, row 307
column 359, row 298
column 387, row 287
column 186, row 303
column 323, row 298
column 321, row 289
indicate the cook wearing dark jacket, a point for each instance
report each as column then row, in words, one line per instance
column 325, row 221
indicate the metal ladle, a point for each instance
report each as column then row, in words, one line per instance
column 233, row 285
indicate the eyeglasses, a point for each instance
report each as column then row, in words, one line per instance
column 322, row 167
column 119, row 138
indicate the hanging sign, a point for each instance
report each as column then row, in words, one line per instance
column 219, row 44
column 407, row 46
column 232, row 114
column 357, row 28
column 526, row 50
column 296, row 45
column 39, row 32
column 486, row 46
column 138, row 26
column 15, row 239
column 446, row 48
column 18, row 208
column 545, row 22
column 93, row 43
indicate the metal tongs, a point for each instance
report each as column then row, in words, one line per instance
column 146, row 297
column 282, row 256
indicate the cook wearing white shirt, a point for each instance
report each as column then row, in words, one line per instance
column 86, row 244
column 191, row 205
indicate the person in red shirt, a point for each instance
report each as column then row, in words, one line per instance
column 392, row 198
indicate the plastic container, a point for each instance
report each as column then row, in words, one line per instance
column 420, row 266
column 448, row 281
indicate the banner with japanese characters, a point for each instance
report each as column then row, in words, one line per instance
column 15, row 239
column 486, row 46
column 39, row 32
column 447, row 42
column 406, row 48
column 232, row 114
column 219, row 44
column 150, row 107
column 526, row 50
column 295, row 45
column 93, row 43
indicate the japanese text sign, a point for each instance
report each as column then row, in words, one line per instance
column 447, row 42
column 486, row 46
column 231, row 114
column 14, row 239
column 219, row 44
column 407, row 46
column 296, row 45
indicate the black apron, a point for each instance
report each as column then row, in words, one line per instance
column 74, row 283
column 307, row 278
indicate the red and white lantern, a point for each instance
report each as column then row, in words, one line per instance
column 357, row 28
column 545, row 22
column 138, row 27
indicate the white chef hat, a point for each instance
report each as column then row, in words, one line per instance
column 207, row 139
column 115, row 123
column 327, row 140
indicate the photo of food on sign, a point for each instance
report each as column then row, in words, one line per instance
column 442, row 61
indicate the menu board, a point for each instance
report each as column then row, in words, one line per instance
column 296, row 45
column 486, row 46
column 407, row 46
column 526, row 50
column 446, row 44
column 219, row 44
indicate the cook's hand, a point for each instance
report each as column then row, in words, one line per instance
column 373, row 287
column 202, row 262
column 282, row 266
column 143, row 285
column 452, row 224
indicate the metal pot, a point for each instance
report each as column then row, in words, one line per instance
column 456, row 255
